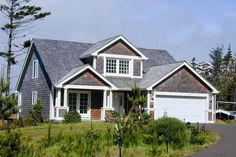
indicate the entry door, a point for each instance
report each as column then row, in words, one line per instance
column 84, row 104
column 118, row 103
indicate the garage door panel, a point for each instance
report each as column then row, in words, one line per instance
column 189, row 109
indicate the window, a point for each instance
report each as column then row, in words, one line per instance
column 118, row 66
column 111, row 66
column 124, row 66
column 35, row 69
column 34, row 97
column 72, row 101
column 83, row 103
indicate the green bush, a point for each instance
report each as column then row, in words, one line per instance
column 72, row 117
column 35, row 115
column 171, row 129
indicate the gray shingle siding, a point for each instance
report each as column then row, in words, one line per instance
column 29, row 85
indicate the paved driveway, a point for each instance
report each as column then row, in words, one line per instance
column 226, row 147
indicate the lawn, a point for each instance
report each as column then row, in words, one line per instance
column 35, row 137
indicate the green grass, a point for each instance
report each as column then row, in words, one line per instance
column 38, row 133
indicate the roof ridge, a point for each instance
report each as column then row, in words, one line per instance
column 60, row 40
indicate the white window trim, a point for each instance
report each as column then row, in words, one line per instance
column 34, row 99
column 130, row 74
column 35, row 68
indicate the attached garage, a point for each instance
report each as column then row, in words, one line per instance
column 181, row 93
column 186, row 107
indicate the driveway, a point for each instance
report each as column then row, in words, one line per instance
column 226, row 147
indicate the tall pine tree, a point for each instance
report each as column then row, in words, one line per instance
column 20, row 16
column 216, row 57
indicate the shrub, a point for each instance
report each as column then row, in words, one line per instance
column 10, row 144
column 72, row 117
column 35, row 115
column 111, row 116
column 172, row 129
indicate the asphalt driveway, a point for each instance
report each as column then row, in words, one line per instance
column 226, row 147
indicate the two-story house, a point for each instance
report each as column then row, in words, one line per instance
column 94, row 78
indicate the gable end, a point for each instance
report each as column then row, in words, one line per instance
column 183, row 80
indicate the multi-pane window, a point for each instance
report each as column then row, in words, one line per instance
column 111, row 66
column 35, row 69
column 72, row 101
column 124, row 66
column 83, row 103
column 118, row 66
column 34, row 97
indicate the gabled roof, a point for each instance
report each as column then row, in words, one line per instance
column 76, row 71
column 59, row 57
column 168, row 70
column 156, row 73
column 99, row 46
column 156, row 57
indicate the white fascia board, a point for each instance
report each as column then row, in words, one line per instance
column 86, row 87
column 24, row 65
column 126, row 41
column 60, row 85
column 214, row 90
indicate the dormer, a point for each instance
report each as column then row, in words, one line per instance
column 116, row 56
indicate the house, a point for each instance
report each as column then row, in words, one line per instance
column 203, row 68
column 94, row 78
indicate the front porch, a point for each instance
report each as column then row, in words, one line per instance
column 91, row 103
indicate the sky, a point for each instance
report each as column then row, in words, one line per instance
column 185, row 28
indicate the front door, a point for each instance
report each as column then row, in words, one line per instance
column 118, row 103
column 80, row 101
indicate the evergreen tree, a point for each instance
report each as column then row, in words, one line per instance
column 228, row 58
column 8, row 105
column 20, row 16
column 216, row 57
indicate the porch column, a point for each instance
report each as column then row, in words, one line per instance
column 104, row 98
column 65, row 97
column 110, row 100
column 148, row 99
column 58, row 99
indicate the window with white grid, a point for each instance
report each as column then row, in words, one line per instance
column 123, row 66
column 111, row 66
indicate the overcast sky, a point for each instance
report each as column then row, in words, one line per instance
column 186, row 28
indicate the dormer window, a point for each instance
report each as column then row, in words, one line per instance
column 111, row 66
column 35, row 69
column 117, row 67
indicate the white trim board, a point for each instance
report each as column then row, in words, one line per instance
column 214, row 90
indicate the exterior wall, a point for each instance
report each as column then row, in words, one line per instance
column 137, row 67
column 96, row 104
column 182, row 81
column 120, row 48
column 40, row 85
column 87, row 78
column 100, row 64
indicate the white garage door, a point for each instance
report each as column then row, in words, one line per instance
column 186, row 108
